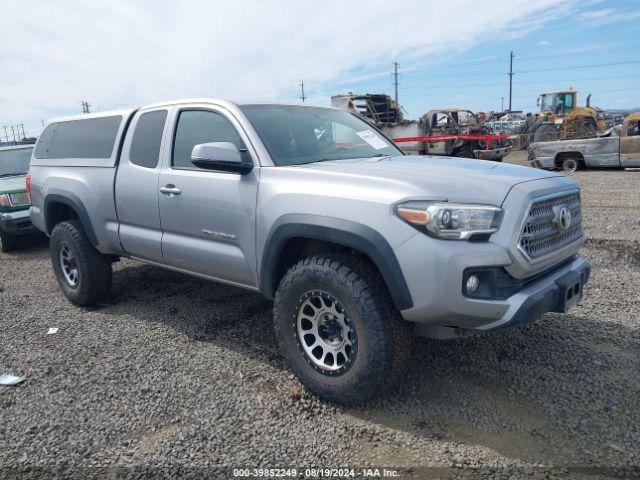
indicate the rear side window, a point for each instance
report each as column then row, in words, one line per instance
column 86, row 138
column 200, row 126
column 145, row 146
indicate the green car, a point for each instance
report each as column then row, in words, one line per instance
column 14, row 199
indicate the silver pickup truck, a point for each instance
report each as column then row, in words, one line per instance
column 619, row 147
column 315, row 208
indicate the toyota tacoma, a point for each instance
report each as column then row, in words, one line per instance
column 357, row 243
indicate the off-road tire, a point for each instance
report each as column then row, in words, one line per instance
column 464, row 153
column 384, row 337
column 545, row 132
column 94, row 269
column 8, row 242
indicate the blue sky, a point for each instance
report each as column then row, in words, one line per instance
column 597, row 38
column 121, row 53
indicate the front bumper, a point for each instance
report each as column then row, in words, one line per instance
column 546, row 163
column 557, row 292
column 546, row 293
column 17, row 223
column 493, row 154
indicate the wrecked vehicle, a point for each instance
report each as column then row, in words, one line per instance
column 459, row 133
column 619, row 147
column 356, row 242
column 449, row 132
column 14, row 199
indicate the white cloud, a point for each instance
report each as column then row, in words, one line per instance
column 608, row 15
column 543, row 43
column 120, row 53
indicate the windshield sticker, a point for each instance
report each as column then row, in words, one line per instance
column 372, row 139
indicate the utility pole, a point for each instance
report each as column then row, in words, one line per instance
column 510, row 77
column 6, row 135
column 302, row 90
column 85, row 107
column 23, row 134
column 395, row 82
column 13, row 133
column 502, row 104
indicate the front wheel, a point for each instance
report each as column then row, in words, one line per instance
column 338, row 328
column 8, row 242
column 84, row 274
column 464, row 153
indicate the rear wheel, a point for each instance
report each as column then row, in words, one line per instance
column 338, row 328
column 84, row 274
column 585, row 128
column 545, row 132
column 8, row 242
column 569, row 164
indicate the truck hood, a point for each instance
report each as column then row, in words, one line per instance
column 13, row 184
column 440, row 178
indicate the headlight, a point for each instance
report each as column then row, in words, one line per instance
column 19, row 199
column 4, row 200
column 451, row 221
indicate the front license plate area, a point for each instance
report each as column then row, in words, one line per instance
column 570, row 292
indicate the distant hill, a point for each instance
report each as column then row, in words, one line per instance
column 623, row 111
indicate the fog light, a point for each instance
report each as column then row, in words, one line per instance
column 473, row 282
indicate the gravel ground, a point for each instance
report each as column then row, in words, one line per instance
column 178, row 376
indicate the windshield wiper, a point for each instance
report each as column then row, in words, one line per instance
column 11, row 174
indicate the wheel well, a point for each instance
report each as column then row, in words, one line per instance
column 295, row 236
column 297, row 248
column 560, row 157
column 58, row 212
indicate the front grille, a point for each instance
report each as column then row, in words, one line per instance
column 542, row 233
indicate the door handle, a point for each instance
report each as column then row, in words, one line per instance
column 170, row 190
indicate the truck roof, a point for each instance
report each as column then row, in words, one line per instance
column 129, row 111
column 83, row 116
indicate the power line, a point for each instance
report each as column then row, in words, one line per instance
column 585, row 51
column 593, row 65
column 535, row 82
column 490, row 97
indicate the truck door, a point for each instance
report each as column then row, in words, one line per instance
column 208, row 217
column 440, row 124
column 136, row 188
column 630, row 144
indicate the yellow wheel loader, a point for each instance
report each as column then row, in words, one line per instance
column 560, row 118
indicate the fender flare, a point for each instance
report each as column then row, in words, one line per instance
column 343, row 232
column 75, row 203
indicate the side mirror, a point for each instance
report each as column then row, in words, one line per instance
column 221, row 156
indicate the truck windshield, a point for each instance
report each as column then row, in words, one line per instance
column 296, row 135
column 15, row 161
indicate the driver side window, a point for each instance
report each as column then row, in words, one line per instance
column 200, row 126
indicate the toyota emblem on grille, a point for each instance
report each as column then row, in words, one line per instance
column 562, row 217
